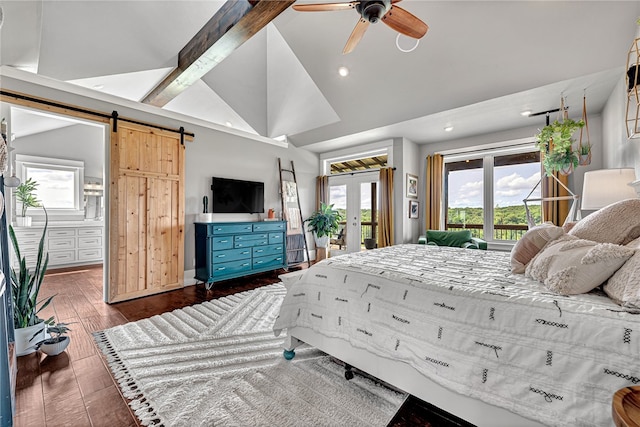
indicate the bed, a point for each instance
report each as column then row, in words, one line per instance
column 458, row 329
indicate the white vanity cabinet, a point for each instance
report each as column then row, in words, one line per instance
column 66, row 245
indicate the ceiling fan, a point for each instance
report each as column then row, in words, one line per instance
column 372, row 11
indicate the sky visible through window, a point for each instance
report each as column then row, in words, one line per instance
column 511, row 185
column 56, row 189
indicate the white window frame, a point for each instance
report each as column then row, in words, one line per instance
column 24, row 162
column 487, row 153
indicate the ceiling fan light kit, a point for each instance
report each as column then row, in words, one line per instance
column 371, row 12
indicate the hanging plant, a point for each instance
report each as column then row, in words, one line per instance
column 584, row 150
column 555, row 141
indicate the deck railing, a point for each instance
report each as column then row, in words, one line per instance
column 366, row 230
column 500, row 231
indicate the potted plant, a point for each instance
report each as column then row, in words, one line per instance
column 24, row 195
column 584, row 154
column 323, row 223
column 556, row 142
column 57, row 341
column 25, row 287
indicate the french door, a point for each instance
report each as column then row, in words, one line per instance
column 356, row 197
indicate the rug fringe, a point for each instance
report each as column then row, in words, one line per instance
column 130, row 390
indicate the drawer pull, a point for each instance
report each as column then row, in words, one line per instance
column 221, row 268
column 259, row 251
column 245, row 253
column 258, row 262
column 245, row 264
column 224, row 241
column 221, row 256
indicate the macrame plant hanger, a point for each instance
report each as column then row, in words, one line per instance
column 584, row 150
column 573, row 210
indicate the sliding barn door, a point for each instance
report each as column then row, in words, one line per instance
column 147, row 212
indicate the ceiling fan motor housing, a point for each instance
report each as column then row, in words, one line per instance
column 373, row 10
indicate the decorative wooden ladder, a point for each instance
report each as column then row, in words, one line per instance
column 292, row 213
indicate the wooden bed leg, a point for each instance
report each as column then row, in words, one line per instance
column 348, row 373
column 290, row 343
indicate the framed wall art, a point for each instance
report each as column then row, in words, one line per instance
column 412, row 186
column 413, row 209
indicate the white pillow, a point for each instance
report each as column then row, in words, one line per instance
column 570, row 266
column 531, row 243
column 624, row 286
column 617, row 223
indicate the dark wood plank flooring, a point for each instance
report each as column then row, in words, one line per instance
column 76, row 388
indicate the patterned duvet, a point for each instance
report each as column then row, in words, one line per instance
column 460, row 318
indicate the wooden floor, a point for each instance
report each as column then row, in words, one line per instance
column 76, row 388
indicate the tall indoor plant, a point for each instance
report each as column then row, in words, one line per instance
column 323, row 223
column 25, row 288
column 25, row 195
column 555, row 141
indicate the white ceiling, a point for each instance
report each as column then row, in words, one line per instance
column 479, row 66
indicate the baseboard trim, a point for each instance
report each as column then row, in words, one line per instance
column 189, row 277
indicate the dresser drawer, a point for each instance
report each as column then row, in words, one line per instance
column 227, row 268
column 61, row 233
column 61, row 257
column 27, row 233
column 230, row 255
column 268, row 250
column 268, row 261
column 61, row 243
column 230, row 228
column 251, row 243
column 269, row 226
column 28, row 243
column 90, row 254
column 89, row 242
column 89, row 231
column 218, row 243
column 256, row 236
column 276, row 238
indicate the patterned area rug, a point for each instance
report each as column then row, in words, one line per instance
column 218, row 363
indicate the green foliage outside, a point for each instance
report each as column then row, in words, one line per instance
column 508, row 215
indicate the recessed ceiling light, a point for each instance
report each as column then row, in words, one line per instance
column 98, row 87
column 343, row 71
column 526, row 113
column 448, row 129
column 228, row 124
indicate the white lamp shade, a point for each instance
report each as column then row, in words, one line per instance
column 603, row 187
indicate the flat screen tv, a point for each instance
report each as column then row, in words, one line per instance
column 237, row 196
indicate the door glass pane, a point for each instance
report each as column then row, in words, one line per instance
column 514, row 177
column 464, row 195
column 369, row 214
column 338, row 198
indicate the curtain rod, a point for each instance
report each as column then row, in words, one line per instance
column 90, row 112
column 357, row 172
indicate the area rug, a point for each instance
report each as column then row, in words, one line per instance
column 219, row 363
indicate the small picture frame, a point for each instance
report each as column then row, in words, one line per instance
column 412, row 186
column 414, row 208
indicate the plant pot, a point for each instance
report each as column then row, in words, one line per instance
column 321, row 242
column 369, row 243
column 23, row 221
column 24, row 343
column 55, row 348
column 567, row 169
column 584, row 159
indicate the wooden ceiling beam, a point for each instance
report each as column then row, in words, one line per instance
column 233, row 24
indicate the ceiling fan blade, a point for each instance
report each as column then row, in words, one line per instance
column 405, row 23
column 322, row 7
column 356, row 36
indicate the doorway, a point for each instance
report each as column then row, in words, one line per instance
column 355, row 196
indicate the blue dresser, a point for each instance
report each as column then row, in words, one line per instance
column 225, row 250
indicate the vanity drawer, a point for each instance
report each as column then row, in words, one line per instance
column 89, row 254
column 89, row 231
column 61, row 243
column 89, row 242
column 61, row 233
column 61, row 257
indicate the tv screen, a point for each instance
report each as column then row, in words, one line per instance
column 237, row 196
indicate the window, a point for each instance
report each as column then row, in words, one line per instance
column 484, row 192
column 60, row 183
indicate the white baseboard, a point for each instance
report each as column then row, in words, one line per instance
column 189, row 279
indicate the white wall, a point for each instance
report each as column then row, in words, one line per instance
column 410, row 165
column 212, row 153
column 619, row 150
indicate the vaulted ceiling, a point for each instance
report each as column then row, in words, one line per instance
column 478, row 67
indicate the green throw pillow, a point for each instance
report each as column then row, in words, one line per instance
column 449, row 238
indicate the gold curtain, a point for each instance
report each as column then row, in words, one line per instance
column 433, row 196
column 385, row 235
column 322, row 190
column 555, row 211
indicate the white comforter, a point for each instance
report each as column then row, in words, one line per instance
column 462, row 319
